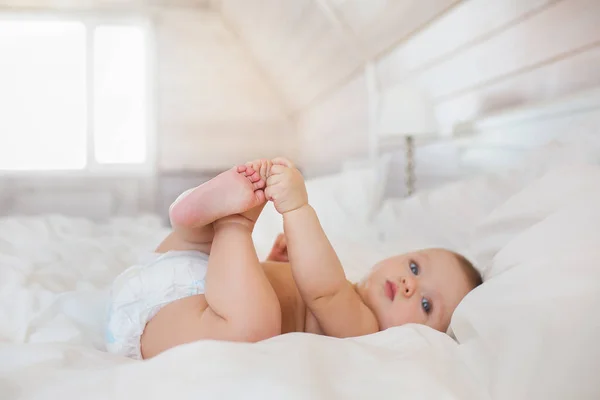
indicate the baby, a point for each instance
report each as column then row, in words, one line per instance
column 205, row 280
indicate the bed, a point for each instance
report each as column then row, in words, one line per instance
column 531, row 331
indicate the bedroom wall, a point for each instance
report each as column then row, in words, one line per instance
column 213, row 101
column 245, row 78
column 478, row 57
column 214, row 107
column 306, row 54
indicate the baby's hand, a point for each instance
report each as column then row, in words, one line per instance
column 285, row 186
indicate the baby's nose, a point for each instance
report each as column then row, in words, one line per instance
column 409, row 285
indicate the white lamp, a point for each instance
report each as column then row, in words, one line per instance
column 405, row 112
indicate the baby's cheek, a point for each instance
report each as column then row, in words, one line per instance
column 407, row 313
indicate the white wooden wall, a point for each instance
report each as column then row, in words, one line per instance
column 478, row 57
column 215, row 106
column 305, row 54
column 238, row 79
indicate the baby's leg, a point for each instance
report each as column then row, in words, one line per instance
column 234, row 191
column 242, row 303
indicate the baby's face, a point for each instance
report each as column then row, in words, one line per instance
column 423, row 287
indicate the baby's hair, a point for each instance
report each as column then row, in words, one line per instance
column 470, row 271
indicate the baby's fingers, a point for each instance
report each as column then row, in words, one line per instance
column 262, row 166
column 269, row 193
column 283, row 161
column 274, row 179
column 265, row 168
column 278, row 169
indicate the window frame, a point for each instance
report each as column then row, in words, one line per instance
column 90, row 21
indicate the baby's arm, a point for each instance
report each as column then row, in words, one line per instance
column 315, row 266
column 321, row 279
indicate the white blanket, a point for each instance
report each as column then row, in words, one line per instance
column 54, row 273
column 409, row 362
column 529, row 332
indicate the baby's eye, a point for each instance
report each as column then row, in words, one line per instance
column 426, row 305
column 414, row 267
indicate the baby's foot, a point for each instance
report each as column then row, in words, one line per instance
column 237, row 220
column 262, row 166
column 233, row 192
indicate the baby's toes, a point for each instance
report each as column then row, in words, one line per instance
column 277, row 169
column 255, row 177
column 260, row 184
column 265, row 169
column 255, row 164
column 249, row 172
column 262, row 166
column 260, row 197
column 242, row 169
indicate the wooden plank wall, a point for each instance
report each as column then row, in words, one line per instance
column 303, row 52
column 214, row 106
column 213, row 109
column 480, row 57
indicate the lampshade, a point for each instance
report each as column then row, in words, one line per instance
column 406, row 110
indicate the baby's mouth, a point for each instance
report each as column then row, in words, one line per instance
column 390, row 290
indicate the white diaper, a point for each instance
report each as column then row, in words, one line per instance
column 143, row 289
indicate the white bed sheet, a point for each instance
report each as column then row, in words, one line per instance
column 54, row 272
column 410, row 362
column 531, row 331
column 522, row 335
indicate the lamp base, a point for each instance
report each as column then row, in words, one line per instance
column 409, row 176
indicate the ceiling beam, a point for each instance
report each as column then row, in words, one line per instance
column 252, row 59
column 126, row 6
column 355, row 45
column 344, row 31
column 374, row 57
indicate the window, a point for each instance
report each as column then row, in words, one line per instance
column 73, row 95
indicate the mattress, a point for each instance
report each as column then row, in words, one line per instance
column 530, row 331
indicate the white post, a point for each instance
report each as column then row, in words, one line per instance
column 354, row 44
column 373, row 110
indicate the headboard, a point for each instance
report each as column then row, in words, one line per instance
column 501, row 139
column 494, row 142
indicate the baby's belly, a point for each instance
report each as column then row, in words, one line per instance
column 293, row 310
column 295, row 316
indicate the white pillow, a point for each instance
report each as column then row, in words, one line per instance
column 558, row 187
column 532, row 329
column 445, row 216
column 572, row 148
column 449, row 215
column 362, row 187
column 344, row 203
